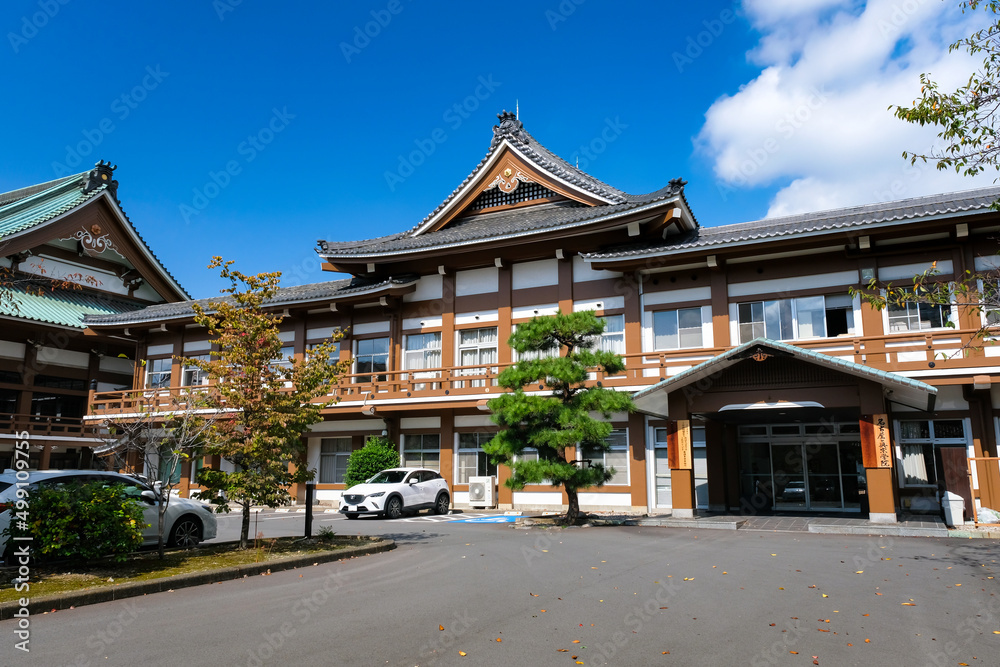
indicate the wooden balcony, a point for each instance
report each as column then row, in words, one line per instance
column 41, row 426
column 942, row 351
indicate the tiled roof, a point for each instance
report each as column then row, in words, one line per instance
column 509, row 223
column 854, row 217
column 326, row 291
column 29, row 207
column 63, row 307
column 489, row 226
column 734, row 355
column 36, row 205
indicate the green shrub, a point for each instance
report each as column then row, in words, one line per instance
column 80, row 522
column 378, row 454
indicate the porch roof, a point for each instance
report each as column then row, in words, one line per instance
column 901, row 389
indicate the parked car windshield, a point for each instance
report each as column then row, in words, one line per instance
column 4, row 486
column 388, row 477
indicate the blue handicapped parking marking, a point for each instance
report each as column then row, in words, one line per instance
column 488, row 519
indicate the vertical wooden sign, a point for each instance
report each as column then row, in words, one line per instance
column 876, row 445
column 680, row 456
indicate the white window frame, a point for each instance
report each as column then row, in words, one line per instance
column 151, row 369
column 676, row 312
column 335, row 458
column 479, row 348
column 462, row 473
column 950, row 311
column 621, row 477
column 516, row 356
column 192, row 376
column 793, row 306
column 608, row 338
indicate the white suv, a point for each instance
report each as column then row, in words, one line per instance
column 397, row 490
column 186, row 521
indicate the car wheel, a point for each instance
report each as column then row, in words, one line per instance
column 186, row 532
column 394, row 508
column 443, row 504
column 351, row 515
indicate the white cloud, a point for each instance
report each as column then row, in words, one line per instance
column 817, row 116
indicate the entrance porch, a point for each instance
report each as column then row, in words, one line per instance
column 780, row 429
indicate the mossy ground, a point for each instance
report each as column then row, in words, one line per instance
column 47, row 579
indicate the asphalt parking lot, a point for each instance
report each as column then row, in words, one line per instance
column 606, row 595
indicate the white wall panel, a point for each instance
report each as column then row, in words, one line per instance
column 582, row 272
column 428, row 288
column 422, row 322
column 372, row 327
column 773, row 288
column 477, row 318
column 477, row 281
column 607, row 303
column 907, row 271
column 535, row 274
column 419, row 422
column 533, row 311
column 677, row 295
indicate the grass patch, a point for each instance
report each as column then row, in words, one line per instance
column 145, row 566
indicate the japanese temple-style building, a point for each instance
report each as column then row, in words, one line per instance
column 761, row 382
column 68, row 250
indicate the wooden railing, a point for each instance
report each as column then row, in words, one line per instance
column 41, row 426
column 898, row 352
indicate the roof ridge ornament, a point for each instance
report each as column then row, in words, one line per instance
column 676, row 185
column 509, row 127
column 102, row 174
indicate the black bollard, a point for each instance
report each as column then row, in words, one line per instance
column 310, row 493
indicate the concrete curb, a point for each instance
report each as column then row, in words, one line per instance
column 61, row 601
column 876, row 529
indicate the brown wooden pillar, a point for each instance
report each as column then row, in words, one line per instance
column 447, row 461
column 877, row 454
column 720, row 314
column 43, row 462
column 987, row 472
column 680, row 457
column 637, row 453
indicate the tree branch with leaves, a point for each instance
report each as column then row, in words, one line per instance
column 266, row 403
column 967, row 116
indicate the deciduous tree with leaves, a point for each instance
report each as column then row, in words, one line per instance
column 550, row 407
column 267, row 402
column 969, row 124
column 967, row 116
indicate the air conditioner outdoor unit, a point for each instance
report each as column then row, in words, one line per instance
column 482, row 492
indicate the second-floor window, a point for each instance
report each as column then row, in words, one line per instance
column 158, row 373
column 477, row 346
column 613, row 338
column 422, row 351
column 676, row 329
column 372, row 357
column 910, row 316
column 194, row 376
column 989, row 300
column 796, row 319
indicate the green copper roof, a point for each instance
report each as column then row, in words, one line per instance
column 33, row 208
column 65, row 307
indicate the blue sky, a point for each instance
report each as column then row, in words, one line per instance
column 766, row 107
